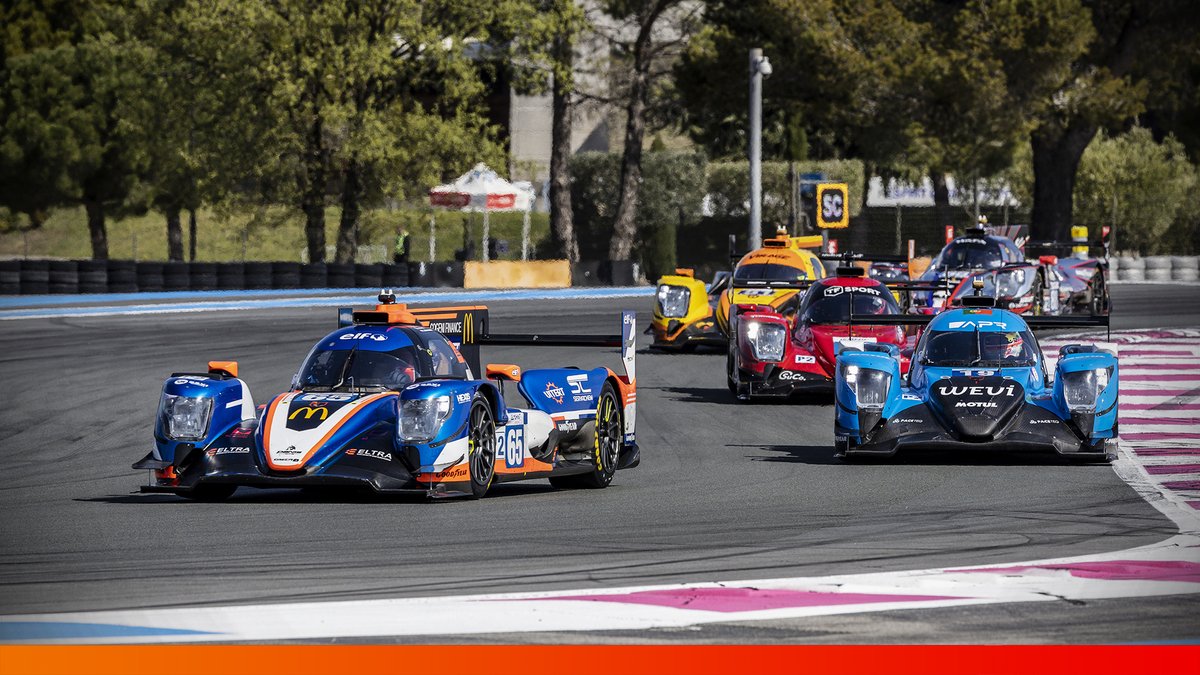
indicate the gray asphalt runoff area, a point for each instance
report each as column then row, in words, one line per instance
column 725, row 491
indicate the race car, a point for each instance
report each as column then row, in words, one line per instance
column 687, row 314
column 388, row 402
column 776, row 355
column 685, row 311
column 975, row 251
column 977, row 380
column 1048, row 286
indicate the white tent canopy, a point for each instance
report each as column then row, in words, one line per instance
column 482, row 189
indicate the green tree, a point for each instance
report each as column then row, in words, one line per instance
column 1130, row 45
column 1137, row 185
column 71, row 112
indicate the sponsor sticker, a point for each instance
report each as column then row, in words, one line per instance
column 230, row 450
column 554, row 392
column 463, row 397
column 911, row 420
column 192, row 381
column 977, row 324
column 804, row 358
column 377, row 337
column 370, row 453
column 510, row 445
column 976, row 404
column 948, row 390
column 579, row 393
column 790, row 375
column 337, row 398
column 1043, row 421
column 838, row 290
column 909, row 397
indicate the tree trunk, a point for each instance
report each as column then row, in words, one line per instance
column 96, row 226
column 347, row 239
column 562, row 220
column 941, row 198
column 1056, row 155
column 174, row 234
column 312, row 199
column 625, row 226
column 192, row 235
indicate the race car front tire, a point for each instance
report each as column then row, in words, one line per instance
column 481, row 446
column 609, row 432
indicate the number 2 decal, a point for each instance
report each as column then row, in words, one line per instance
column 510, row 444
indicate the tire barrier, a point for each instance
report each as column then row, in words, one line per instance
column 64, row 277
column 35, row 276
column 368, row 276
column 93, row 276
column 177, row 276
column 204, row 276
column 1159, row 268
column 150, row 276
column 10, row 277
column 285, row 275
column 257, row 275
column 340, row 275
column 41, row 277
column 122, row 276
column 231, row 276
column 395, row 276
column 314, row 275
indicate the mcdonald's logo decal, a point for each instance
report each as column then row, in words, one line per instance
column 309, row 412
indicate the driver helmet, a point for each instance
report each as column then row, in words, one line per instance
column 403, row 372
column 1000, row 346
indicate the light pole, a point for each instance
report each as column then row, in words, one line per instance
column 760, row 67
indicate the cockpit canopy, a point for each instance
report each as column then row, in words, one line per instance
column 379, row 357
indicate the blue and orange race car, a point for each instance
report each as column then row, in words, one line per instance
column 389, row 401
column 977, row 380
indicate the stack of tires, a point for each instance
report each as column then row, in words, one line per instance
column 35, row 277
column 1185, row 268
column 204, row 276
column 314, row 275
column 149, row 277
column 177, row 276
column 64, row 277
column 340, row 275
column 1131, row 269
column 1158, row 268
column 122, row 276
column 285, row 275
column 93, row 276
column 231, row 276
column 10, row 277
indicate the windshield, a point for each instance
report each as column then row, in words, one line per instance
column 970, row 254
column 831, row 304
column 768, row 271
column 974, row 348
column 427, row 355
column 359, row 368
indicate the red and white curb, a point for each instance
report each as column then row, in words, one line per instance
column 1161, row 462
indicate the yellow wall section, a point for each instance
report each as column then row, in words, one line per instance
column 517, row 274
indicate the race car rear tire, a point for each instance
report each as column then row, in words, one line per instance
column 607, row 448
column 214, row 492
column 729, row 366
column 481, row 446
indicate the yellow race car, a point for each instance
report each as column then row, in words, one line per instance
column 687, row 313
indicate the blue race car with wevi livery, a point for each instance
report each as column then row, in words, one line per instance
column 391, row 401
column 977, row 380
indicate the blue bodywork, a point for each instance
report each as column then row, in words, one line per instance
column 986, row 405
column 321, row 434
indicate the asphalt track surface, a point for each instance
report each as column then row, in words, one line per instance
column 725, row 491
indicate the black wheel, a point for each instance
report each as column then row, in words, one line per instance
column 1038, row 296
column 213, row 492
column 1099, row 295
column 729, row 366
column 607, row 447
column 481, row 447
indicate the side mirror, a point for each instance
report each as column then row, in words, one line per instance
column 504, row 371
column 230, row 368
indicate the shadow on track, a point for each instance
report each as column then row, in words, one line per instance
column 823, row 454
column 328, row 495
column 722, row 395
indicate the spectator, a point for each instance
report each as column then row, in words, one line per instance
column 403, row 243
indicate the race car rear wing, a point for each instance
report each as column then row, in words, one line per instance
column 1034, row 322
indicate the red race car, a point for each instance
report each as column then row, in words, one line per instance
column 791, row 349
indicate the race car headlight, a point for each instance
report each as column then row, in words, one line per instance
column 1081, row 388
column 421, row 418
column 673, row 301
column 870, row 386
column 767, row 340
column 185, row 418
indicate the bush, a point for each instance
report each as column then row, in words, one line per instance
column 729, row 186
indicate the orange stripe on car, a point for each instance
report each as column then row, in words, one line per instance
column 361, row 405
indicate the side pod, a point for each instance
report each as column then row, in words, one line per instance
column 1086, row 383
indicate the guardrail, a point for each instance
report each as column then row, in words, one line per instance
column 40, row 277
column 1155, row 268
